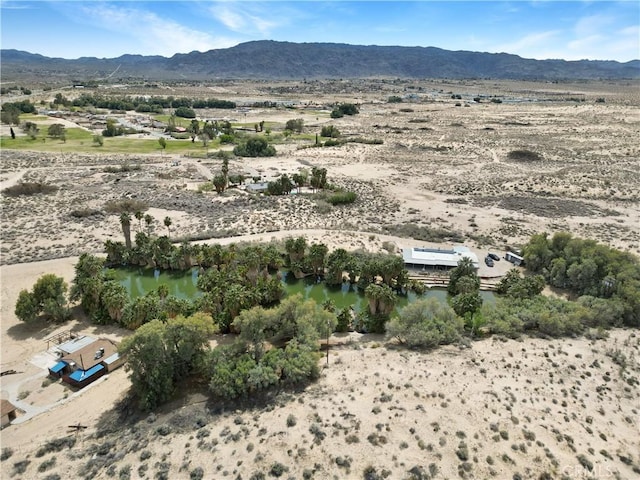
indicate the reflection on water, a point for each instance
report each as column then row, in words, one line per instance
column 139, row 282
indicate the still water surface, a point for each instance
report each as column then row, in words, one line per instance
column 139, row 282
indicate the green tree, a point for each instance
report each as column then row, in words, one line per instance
column 150, row 364
column 426, row 324
column 465, row 268
column 466, row 305
column 295, row 125
column 10, row 114
column 255, row 147
column 338, row 261
column 114, row 298
column 381, row 299
column 194, row 129
column 317, row 256
column 31, row 129
column 538, row 253
column 148, row 220
column 299, row 180
column 113, row 129
column 47, row 298
column 219, row 183
column 88, row 283
column 98, row 140
column 140, row 311
column 163, row 143
column 27, row 308
column 56, row 130
column 139, row 216
column 167, row 223
column 330, row 131
column 185, row 112
column 318, row 178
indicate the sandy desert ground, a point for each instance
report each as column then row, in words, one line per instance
column 492, row 410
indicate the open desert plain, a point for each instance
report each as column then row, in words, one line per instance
column 433, row 163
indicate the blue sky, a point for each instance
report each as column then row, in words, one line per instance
column 573, row 30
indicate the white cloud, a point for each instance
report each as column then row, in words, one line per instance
column 14, row 5
column 592, row 25
column 156, row 35
column 589, row 42
column 530, row 44
column 600, row 37
column 229, row 18
column 255, row 19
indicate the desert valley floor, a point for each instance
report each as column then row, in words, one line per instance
column 444, row 172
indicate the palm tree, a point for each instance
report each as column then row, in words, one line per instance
column 139, row 216
column 167, row 223
column 148, row 219
column 114, row 298
column 251, row 259
column 465, row 268
column 125, row 221
column 225, row 171
column 295, row 247
column 381, row 299
column 115, row 252
column 317, row 255
column 237, row 297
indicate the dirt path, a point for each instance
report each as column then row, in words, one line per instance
column 13, row 178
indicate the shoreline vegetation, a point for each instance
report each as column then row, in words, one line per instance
column 242, row 292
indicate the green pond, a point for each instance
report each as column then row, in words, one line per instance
column 139, row 282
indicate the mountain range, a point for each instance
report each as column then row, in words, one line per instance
column 271, row 60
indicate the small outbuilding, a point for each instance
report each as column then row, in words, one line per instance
column 85, row 359
column 419, row 258
column 8, row 412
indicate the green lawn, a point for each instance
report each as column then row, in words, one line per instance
column 180, row 122
column 80, row 140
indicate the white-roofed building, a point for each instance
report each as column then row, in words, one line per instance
column 436, row 258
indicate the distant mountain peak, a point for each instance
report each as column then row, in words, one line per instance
column 271, row 59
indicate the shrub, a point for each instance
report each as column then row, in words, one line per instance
column 342, row 198
column 85, row 212
column 426, row 324
column 330, row 131
column 291, row 421
column 332, row 143
column 6, row 454
column 29, row 188
column 196, row 474
column 185, row 112
column 125, row 205
column 277, row 469
column 524, row 156
column 343, row 109
column 295, row 125
column 47, row 464
column 20, row 467
column 255, row 147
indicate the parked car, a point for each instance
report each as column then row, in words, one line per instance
column 494, row 256
column 489, row 261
